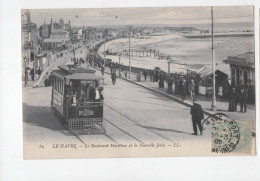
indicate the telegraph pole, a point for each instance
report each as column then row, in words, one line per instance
column 119, row 65
column 129, row 58
column 214, row 104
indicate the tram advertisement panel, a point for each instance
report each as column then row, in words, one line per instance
column 58, row 101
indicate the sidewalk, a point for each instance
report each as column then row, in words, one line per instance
column 204, row 101
column 45, row 67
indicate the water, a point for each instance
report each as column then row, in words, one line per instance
column 198, row 50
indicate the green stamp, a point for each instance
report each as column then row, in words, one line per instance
column 229, row 135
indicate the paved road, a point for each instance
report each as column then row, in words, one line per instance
column 132, row 114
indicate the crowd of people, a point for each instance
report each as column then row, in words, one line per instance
column 184, row 84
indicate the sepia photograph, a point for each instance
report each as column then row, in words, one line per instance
column 138, row 82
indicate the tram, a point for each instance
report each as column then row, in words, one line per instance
column 77, row 98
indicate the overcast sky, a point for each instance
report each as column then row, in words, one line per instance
column 144, row 16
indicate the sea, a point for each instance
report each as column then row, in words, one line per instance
column 192, row 51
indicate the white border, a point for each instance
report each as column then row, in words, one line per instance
column 12, row 165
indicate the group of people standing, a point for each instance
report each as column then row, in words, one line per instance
column 33, row 73
column 238, row 96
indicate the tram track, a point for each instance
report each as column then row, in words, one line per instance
column 81, row 140
column 130, row 119
column 123, row 130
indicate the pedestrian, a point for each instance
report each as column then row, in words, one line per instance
column 161, row 80
column 113, row 77
column 183, row 88
column 32, row 74
column 169, row 82
column 196, row 116
column 177, row 84
column 102, row 70
column 125, row 74
column 145, row 74
column 232, row 106
column 26, row 76
column 39, row 72
column 243, row 99
column 192, row 89
column 150, row 73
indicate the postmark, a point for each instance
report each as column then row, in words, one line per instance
column 228, row 135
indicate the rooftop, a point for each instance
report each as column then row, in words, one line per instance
column 76, row 69
column 244, row 60
column 83, row 76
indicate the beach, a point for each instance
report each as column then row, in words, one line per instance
column 182, row 52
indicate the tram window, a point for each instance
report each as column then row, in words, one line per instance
column 59, row 85
column 56, row 87
column 55, row 83
column 62, row 86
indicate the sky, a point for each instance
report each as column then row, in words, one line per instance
column 144, row 16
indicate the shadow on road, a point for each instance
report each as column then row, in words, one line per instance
column 164, row 129
column 41, row 116
column 148, row 103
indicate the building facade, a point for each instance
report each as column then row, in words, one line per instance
column 29, row 39
column 242, row 68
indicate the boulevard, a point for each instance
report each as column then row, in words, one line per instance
column 132, row 114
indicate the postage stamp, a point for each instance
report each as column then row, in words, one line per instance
column 230, row 136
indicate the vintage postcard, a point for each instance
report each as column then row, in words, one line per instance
column 138, row 82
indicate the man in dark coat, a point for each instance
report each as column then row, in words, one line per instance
column 39, row 72
column 145, row 74
column 102, row 70
column 169, row 85
column 232, row 106
column 32, row 74
column 113, row 77
column 197, row 115
column 243, row 99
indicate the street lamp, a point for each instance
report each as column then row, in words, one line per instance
column 214, row 103
column 129, row 58
column 119, row 57
column 25, row 72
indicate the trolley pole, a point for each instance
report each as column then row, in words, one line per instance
column 129, row 59
column 214, row 104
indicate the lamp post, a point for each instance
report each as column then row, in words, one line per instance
column 25, row 72
column 32, row 47
column 129, row 58
column 213, row 106
column 119, row 56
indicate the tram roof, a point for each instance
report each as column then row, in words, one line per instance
column 83, row 76
column 76, row 69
